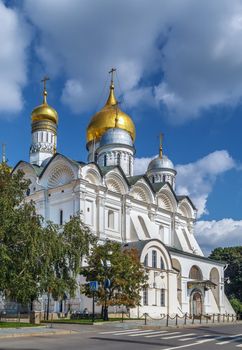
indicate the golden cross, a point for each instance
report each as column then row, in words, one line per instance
column 44, row 80
column 112, row 73
column 161, row 141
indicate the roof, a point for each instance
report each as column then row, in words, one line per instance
column 139, row 245
column 181, row 252
column 180, row 198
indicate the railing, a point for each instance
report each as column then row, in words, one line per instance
column 206, row 318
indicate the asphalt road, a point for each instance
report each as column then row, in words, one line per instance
column 110, row 338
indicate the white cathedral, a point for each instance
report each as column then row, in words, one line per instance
column 139, row 211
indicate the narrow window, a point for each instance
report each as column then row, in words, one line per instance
column 162, row 297
column 145, row 296
column 61, row 217
column 130, row 162
column 146, row 260
column 154, row 259
column 105, row 160
column 162, row 265
column 111, row 219
column 118, row 159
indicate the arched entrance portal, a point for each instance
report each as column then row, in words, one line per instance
column 196, row 303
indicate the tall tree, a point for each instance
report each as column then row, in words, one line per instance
column 233, row 273
column 36, row 257
column 119, row 273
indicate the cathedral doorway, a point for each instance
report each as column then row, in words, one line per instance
column 196, row 304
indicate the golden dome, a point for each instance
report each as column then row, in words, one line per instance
column 44, row 112
column 109, row 116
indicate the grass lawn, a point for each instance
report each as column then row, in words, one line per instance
column 16, row 324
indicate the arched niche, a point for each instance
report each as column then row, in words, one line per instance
column 176, row 265
column 166, row 200
column 92, row 176
column 214, row 277
column 116, row 183
column 60, row 175
column 195, row 273
column 185, row 209
column 142, row 192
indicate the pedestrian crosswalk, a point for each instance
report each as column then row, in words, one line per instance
column 186, row 339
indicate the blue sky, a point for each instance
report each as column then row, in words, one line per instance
column 179, row 72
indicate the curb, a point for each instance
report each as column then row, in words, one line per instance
column 34, row 334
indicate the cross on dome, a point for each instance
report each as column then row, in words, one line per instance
column 44, row 80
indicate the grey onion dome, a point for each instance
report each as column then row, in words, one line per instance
column 116, row 135
column 161, row 163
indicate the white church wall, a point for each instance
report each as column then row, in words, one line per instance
column 205, row 267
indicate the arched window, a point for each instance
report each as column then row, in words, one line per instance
column 154, row 259
column 153, row 179
column 146, row 260
column 162, row 297
column 162, row 265
column 145, row 296
column 95, row 157
column 105, row 160
column 118, row 159
column 111, row 219
column 195, row 273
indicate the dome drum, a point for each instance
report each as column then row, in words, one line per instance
column 44, row 125
column 116, row 136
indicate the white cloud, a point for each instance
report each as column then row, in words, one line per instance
column 73, row 93
column 141, row 165
column 14, row 41
column 196, row 179
column 193, row 47
column 222, row 233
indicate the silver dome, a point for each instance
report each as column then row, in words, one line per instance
column 116, row 135
column 161, row 163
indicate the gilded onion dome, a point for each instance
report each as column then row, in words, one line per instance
column 110, row 116
column 44, row 112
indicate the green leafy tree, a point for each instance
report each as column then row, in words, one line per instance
column 73, row 242
column 36, row 257
column 233, row 273
column 119, row 273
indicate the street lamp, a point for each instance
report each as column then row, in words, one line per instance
column 106, row 285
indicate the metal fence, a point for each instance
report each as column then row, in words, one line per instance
column 185, row 319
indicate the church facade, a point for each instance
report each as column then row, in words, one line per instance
column 141, row 211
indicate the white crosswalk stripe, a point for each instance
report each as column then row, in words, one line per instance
column 231, row 338
column 178, row 336
column 158, row 335
column 199, row 342
column 128, row 330
column 239, row 346
column 193, row 338
column 134, row 334
column 149, row 333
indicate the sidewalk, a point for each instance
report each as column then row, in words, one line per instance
column 31, row 331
